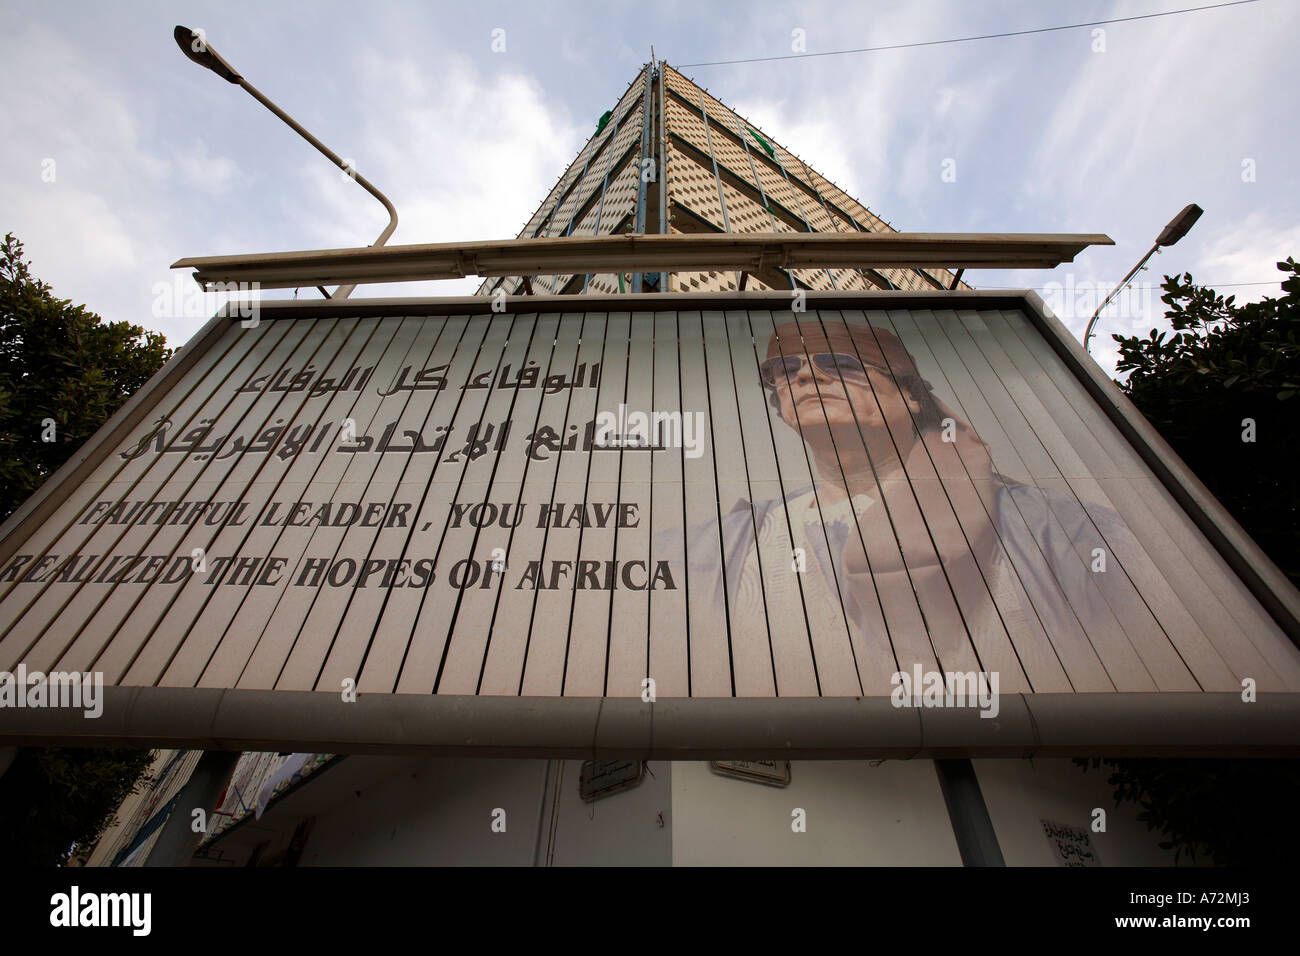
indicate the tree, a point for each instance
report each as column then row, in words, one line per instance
column 53, row 799
column 63, row 372
column 1223, row 391
column 1227, row 812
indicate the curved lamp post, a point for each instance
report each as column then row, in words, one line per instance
column 195, row 46
column 1176, row 229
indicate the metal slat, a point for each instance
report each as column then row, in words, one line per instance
column 1074, row 576
column 448, row 608
column 419, row 617
column 669, row 639
column 247, row 631
column 707, row 600
column 352, row 477
column 1104, row 451
column 1033, row 648
column 927, row 460
column 629, row 615
column 1082, row 664
column 129, row 660
column 209, row 626
column 474, row 613
column 557, row 476
column 748, row 618
column 822, row 599
column 568, row 651
column 1119, row 603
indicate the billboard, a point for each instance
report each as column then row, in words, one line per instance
column 685, row 503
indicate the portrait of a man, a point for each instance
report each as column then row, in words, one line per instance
column 932, row 554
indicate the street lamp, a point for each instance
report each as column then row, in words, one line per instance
column 1176, row 229
column 195, row 46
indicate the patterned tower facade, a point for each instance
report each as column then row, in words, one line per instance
column 670, row 158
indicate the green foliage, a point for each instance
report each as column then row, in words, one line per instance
column 57, row 361
column 1228, row 812
column 54, row 798
column 1223, row 364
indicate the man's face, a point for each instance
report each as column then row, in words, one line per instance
column 837, row 379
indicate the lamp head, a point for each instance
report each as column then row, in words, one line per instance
column 194, row 45
column 1179, row 225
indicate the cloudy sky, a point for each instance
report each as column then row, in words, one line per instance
column 119, row 156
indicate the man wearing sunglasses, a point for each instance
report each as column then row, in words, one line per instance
column 879, row 533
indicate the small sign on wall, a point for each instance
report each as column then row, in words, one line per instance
column 774, row 773
column 1070, row 844
column 603, row 778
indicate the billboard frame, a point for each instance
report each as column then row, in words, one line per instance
column 1161, row 724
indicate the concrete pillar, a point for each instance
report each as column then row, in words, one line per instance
column 971, row 826
column 178, row 841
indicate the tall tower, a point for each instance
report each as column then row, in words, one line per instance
column 720, row 174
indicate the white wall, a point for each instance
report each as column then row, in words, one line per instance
column 422, row 811
column 857, row 814
column 1021, row 793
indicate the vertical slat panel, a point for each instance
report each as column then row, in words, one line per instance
column 1137, row 578
column 506, row 341
column 553, row 473
column 1082, row 664
column 127, row 658
column 473, row 615
column 1122, row 663
column 252, row 476
column 629, row 627
column 927, row 460
column 919, row 563
column 1032, row 648
column 530, row 345
column 669, row 639
column 1184, row 590
column 751, row 650
column 568, row 649
column 818, row 586
column 261, row 537
column 705, row 562
column 350, row 476
column 309, row 619
column 392, row 346
column 1118, row 601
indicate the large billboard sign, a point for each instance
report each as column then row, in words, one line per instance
column 894, row 501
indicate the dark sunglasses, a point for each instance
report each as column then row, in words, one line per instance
column 833, row 364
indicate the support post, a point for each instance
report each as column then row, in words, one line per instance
column 971, row 826
column 178, row 841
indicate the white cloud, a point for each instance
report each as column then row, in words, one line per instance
column 1248, row 251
